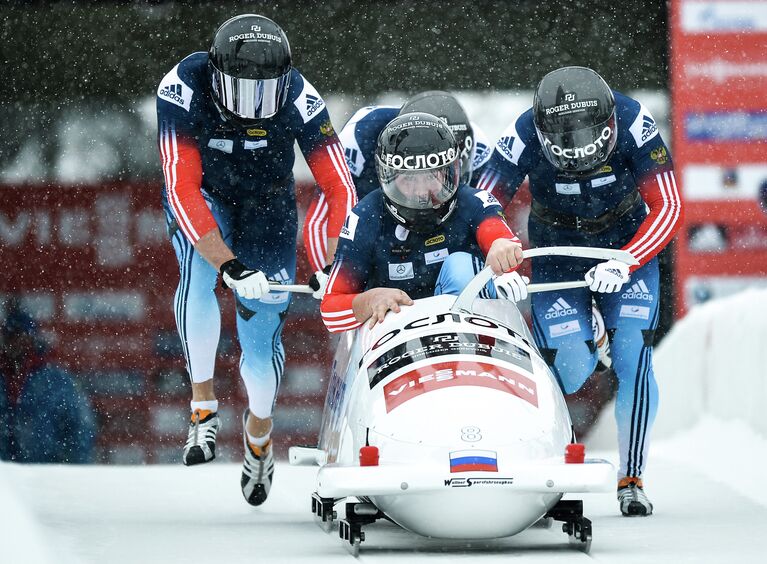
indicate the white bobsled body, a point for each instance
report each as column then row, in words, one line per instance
column 470, row 425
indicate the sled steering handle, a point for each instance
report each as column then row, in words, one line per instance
column 473, row 288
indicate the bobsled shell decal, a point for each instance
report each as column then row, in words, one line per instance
column 442, row 344
column 458, row 373
column 473, row 461
column 450, row 320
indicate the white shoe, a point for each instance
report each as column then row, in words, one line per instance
column 200, row 444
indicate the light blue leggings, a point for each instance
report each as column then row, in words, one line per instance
column 562, row 330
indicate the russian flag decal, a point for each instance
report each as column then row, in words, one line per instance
column 473, row 461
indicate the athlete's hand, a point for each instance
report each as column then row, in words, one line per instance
column 319, row 282
column 504, row 256
column 608, row 277
column 511, row 286
column 249, row 284
column 374, row 304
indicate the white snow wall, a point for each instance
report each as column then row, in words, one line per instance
column 21, row 539
column 713, row 362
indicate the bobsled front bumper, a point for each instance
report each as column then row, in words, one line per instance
column 555, row 477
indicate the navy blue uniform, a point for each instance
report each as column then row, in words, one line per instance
column 375, row 251
column 636, row 187
column 359, row 138
column 240, row 181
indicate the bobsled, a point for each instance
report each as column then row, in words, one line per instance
column 446, row 420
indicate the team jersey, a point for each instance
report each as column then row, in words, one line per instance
column 204, row 156
column 359, row 138
column 376, row 251
column 641, row 161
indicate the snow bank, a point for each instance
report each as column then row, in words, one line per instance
column 710, row 368
column 730, row 453
column 23, row 540
column 712, row 363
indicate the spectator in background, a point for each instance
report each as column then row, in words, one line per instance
column 44, row 416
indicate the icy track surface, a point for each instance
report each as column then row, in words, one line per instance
column 96, row 514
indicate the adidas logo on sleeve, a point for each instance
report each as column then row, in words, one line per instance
column 309, row 102
column 644, row 127
column 174, row 90
column 312, row 104
column 560, row 308
column 649, row 128
column 638, row 291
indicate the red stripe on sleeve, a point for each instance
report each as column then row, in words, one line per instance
column 182, row 168
column 493, row 228
column 315, row 232
column 664, row 220
column 489, row 181
column 336, row 306
column 329, row 168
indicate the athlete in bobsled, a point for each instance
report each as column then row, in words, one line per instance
column 422, row 233
column 360, row 139
column 441, row 416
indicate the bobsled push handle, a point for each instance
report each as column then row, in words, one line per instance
column 473, row 288
column 295, row 288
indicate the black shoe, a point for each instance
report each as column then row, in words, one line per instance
column 632, row 499
column 257, row 469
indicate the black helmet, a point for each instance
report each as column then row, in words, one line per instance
column 419, row 170
column 250, row 64
column 574, row 114
column 445, row 106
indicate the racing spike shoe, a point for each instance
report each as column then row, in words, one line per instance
column 257, row 470
column 201, row 440
column 632, row 499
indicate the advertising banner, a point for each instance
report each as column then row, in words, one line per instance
column 719, row 110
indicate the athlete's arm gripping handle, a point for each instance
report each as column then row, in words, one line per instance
column 249, row 284
column 608, row 277
column 511, row 286
column 319, row 282
column 464, row 301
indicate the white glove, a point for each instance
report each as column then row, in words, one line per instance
column 249, row 284
column 319, row 282
column 608, row 277
column 511, row 286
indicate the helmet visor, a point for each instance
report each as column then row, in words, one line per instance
column 579, row 150
column 420, row 189
column 251, row 98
